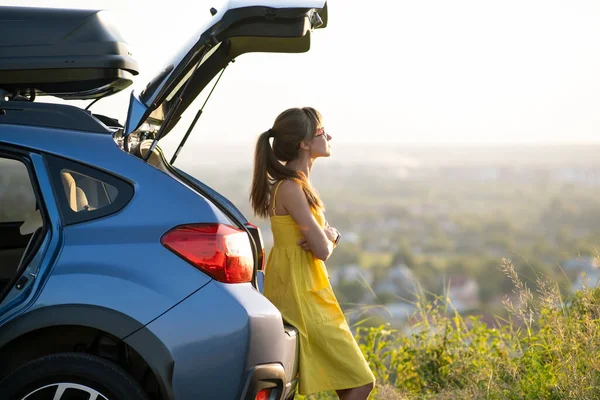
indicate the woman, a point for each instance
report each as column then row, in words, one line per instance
column 296, row 280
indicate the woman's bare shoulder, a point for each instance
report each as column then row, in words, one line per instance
column 290, row 187
column 291, row 193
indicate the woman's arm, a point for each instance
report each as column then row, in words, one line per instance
column 330, row 232
column 292, row 198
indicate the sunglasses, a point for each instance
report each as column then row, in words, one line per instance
column 321, row 132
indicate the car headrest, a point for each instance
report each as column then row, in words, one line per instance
column 33, row 221
column 70, row 189
column 82, row 201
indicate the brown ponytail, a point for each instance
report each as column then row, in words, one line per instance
column 291, row 127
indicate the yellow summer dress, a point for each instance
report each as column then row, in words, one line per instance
column 297, row 283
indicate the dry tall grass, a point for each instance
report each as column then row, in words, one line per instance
column 548, row 349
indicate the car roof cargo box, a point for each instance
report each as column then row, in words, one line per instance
column 72, row 54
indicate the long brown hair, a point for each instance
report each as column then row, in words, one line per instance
column 291, row 127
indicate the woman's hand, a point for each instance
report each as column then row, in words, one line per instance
column 330, row 232
column 304, row 244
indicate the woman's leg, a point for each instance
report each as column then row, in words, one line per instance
column 359, row 393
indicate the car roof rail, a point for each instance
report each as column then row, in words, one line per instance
column 48, row 115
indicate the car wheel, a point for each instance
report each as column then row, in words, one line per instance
column 70, row 376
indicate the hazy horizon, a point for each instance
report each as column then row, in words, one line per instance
column 432, row 72
column 240, row 155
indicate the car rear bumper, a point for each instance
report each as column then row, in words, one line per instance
column 281, row 379
column 227, row 341
column 265, row 377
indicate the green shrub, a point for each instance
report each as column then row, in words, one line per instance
column 547, row 349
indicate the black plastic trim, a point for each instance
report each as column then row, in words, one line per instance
column 266, row 13
column 256, row 236
column 68, row 216
column 115, row 323
column 70, row 84
column 108, row 121
column 104, row 319
column 261, row 21
column 157, row 356
column 264, row 376
column 47, row 115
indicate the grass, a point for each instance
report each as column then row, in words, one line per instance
column 547, row 349
column 372, row 259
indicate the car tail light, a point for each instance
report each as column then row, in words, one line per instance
column 221, row 251
column 257, row 236
column 263, row 394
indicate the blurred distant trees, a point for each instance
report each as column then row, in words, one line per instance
column 452, row 224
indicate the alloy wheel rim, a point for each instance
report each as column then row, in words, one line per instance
column 61, row 389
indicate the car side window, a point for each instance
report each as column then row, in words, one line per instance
column 17, row 198
column 85, row 193
column 20, row 218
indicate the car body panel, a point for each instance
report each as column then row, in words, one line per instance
column 215, row 355
column 130, row 259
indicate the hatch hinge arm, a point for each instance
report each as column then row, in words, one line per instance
column 198, row 114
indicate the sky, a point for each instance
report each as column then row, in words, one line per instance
column 407, row 72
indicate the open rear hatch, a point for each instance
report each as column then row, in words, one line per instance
column 240, row 27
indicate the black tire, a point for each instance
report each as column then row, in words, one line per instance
column 88, row 371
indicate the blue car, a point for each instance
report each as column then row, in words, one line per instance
column 121, row 276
